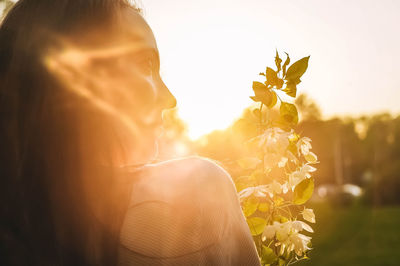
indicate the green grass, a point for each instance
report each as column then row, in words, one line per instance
column 355, row 236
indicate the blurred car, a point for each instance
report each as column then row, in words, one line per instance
column 338, row 194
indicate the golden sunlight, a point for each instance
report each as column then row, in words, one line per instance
column 167, row 125
column 211, row 51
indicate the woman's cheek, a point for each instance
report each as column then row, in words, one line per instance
column 132, row 90
column 145, row 93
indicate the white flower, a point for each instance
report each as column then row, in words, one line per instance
column 262, row 191
column 258, row 191
column 285, row 187
column 299, row 243
column 311, row 157
column 288, row 236
column 271, row 160
column 269, row 232
column 304, row 145
column 299, row 226
column 299, row 175
column 276, row 187
column 306, row 169
column 274, row 140
column 308, row 215
column 282, row 162
column 283, row 230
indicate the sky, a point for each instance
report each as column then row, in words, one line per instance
column 212, row 50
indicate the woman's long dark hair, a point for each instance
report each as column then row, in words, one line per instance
column 51, row 143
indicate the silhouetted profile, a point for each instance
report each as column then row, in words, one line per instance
column 80, row 111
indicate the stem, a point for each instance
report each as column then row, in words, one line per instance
column 260, row 132
column 277, row 95
column 290, row 213
column 287, row 212
column 287, row 205
column 260, row 246
column 290, row 263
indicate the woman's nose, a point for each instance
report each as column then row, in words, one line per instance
column 167, row 100
column 171, row 102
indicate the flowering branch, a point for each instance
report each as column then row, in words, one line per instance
column 279, row 180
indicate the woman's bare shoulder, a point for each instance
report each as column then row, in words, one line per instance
column 179, row 207
column 173, row 179
column 186, row 167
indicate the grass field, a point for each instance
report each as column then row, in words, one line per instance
column 356, row 236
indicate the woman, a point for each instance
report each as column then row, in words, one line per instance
column 81, row 101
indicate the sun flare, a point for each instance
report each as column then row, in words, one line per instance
column 211, row 51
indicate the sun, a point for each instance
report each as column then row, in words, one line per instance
column 212, row 79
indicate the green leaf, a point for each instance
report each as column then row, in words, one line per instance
column 279, row 83
column 256, row 225
column 258, row 87
column 295, row 81
column 289, row 113
column 291, row 89
column 271, row 75
column 293, row 148
column 278, row 200
column 287, row 61
column 273, row 99
column 249, row 162
column 303, row 191
column 250, row 206
column 257, row 174
column 242, row 185
column 263, row 207
column 298, row 68
column 280, row 219
column 272, row 78
column 256, row 99
column 267, row 255
column 260, row 91
column 267, row 97
column 278, row 61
